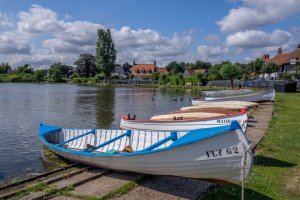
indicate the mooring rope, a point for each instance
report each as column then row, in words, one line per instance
column 243, row 170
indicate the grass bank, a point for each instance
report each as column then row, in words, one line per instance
column 276, row 170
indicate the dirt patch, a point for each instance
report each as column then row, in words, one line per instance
column 293, row 182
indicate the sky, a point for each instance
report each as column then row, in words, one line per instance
column 41, row 33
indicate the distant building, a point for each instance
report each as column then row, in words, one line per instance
column 120, row 71
column 286, row 61
column 140, row 71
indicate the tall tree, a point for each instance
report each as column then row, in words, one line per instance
column 174, row 68
column 230, row 72
column 86, row 66
column 202, row 65
column 106, row 53
column 5, row 68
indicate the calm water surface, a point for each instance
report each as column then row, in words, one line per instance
column 24, row 106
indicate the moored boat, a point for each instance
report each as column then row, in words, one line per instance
column 222, row 153
column 178, row 122
column 212, row 104
column 253, row 97
column 214, row 93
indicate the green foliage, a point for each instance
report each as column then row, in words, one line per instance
column 106, row 53
column 100, row 77
column 202, row 65
column 214, row 72
column 269, row 68
column 55, row 74
column 162, row 79
column 39, row 76
column 155, row 76
column 84, row 80
column 86, row 66
column 174, row 68
column 286, row 76
column 254, row 67
column 230, row 72
column 5, row 68
column 25, row 69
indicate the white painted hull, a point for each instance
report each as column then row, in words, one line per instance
column 225, row 92
column 219, row 157
column 255, row 97
column 223, row 104
column 184, row 125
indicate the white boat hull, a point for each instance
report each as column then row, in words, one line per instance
column 220, row 157
column 183, row 125
column 254, row 97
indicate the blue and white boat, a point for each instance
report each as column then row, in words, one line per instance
column 221, row 153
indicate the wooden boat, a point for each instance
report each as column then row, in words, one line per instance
column 222, row 153
column 253, row 97
column 209, row 104
column 179, row 123
column 214, row 93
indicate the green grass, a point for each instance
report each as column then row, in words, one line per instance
column 276, row 170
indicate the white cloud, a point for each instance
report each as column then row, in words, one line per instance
column 65, row 40
column 39, row 20
column 13, row 43
column 256, row 13
column 4, row 20
column 258, row 39
column 211, row 54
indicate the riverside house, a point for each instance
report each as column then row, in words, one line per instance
column 144, row 71
column 286, row 61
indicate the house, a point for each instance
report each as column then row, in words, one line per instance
column 120, row 71
column 286, row 61
column 142, row 71
column 190, row 72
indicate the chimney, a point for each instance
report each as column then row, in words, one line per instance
column 266, row 57
column 279, row 50
column 133, row 63
column 154, row 62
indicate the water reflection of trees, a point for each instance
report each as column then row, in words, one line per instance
column 105, row 107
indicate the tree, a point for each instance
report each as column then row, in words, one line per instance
column 214, row 72
column 39, row 76
column 230, row 71
column 202, row 65
column 25, row 69
column 106, row 53
column 269, row 68
column 254, row 67
column 5, row 68
column 155, row 76
column 180, row 78
column 174, row 68
column 162, row 79
column 55, row 74
column 86, row 66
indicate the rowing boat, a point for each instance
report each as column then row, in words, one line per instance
column 178, row 122
column 213, row 93
column 253, row 97
column 209, row 104
column 222, row 153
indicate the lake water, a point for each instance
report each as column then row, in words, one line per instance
column 24, row 106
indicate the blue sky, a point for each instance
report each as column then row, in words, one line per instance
column 43, row 32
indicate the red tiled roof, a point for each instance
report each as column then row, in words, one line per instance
column 162, row 70
column 142, row 69
column 280, row 59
